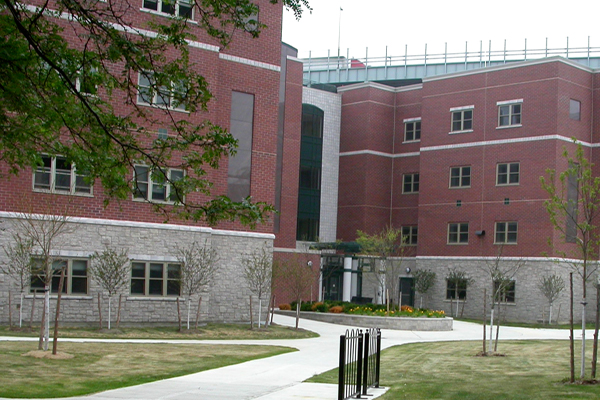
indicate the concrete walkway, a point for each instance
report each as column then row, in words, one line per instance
column 281, row 377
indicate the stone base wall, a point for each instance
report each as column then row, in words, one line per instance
column 530, row 304
column 227, row 299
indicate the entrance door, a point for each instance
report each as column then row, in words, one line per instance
column 408, row 291
column 332, row 286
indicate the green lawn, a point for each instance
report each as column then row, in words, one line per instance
column 452, row 370
column 103, row 366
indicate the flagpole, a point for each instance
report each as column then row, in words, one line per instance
column 339, row 39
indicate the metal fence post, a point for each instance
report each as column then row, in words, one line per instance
column 378, row 363
column 366, row 358
column 359, row 359
column 341, row 384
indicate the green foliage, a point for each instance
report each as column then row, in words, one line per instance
column 424, row 280
column 43, row 109
column 198, row 266
column 19, row 263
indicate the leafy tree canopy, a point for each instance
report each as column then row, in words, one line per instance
column 43, row 106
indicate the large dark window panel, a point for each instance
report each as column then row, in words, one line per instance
column 241, row 127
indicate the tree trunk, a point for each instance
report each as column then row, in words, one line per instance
column 596, row 328
column 497, row 329
column 462, row 307
column 109, row 309
column 32, row 311
column 198, row 311
column 269, row 310
column 21, row 309
column 492, row 324
column 189, row 304
column 571, row 337
column 178, row 314
column 119, row 312
column 272, row 308
column 297, row 313
column 46, row 317
column 251, row 316
column 583, row 304
column 9, row 310
column 550, row 315
column 259, row 310
column 100, row 311
column 484, row 317
column 60, row 289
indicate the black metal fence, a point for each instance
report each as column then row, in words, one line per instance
column 359, row 362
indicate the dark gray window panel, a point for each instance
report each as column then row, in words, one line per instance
column 241, row 127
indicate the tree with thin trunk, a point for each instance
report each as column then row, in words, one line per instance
column 298, row 276
column 46, row 233
column 551, row 287
column 19, row 265
column 424, row 280
column 458, row 280
column 258, row 273
column 111, row 269
column 386, row 244
column 198, row 266
column 502, row 271
column 574, row 209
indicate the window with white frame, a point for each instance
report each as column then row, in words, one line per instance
column 506, row 232
column 509, row 113
column 462, row 119
column 171, row 95
column 156, row 184
column 179, row 8
column 507, row 173
column 504, row 291
column 410, row 183
column 155, row 278
column 409, row 235
column 458, row 233
column 76, row 276
column 57, row 175
column 85, row 82
column 412, row 130
column 460, row 177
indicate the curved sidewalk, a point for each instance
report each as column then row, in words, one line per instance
column 280, row 377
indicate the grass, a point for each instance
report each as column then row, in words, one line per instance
column 589, row 325
column 451, row 370
column 207, row 332
column 103, row 366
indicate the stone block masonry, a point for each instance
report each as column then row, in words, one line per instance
column 225, row 300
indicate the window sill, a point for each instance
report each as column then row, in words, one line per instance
column 457, row 244
column 459, row 187
column 455, row 301
column 505, row 244
column 139, row 200
column 154, row 298
column 410, row 192
column 63, row 193
column 63, row 297
column 162, row 108
column 509, row 126
column 167, row 15
column 459, row 132
column 411, row 141
column 506, row 184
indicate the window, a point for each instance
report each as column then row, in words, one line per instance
column 507, row 174
column 460, row 177
column 155, row 279
column 241, row 127
column 509, row 113
column 410, row 183
column 462, row 119
column 310, row 177
column 458, row 233
column 412, row 130
column 456, row 289
column 504, row 291
column 154, row 185
column 575, row 109
column 506, row 232
column 85, row 82
column 180, row 8
column 171, row 95
column 409, row 235
column 76, row 280
column 57, row 175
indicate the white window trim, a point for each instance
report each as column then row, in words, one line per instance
column 458, row 242
column 460, row 186
column 164, row 14
column 408, row 121
column 506, row 232
column 508, row 164
column 154, row 104
column 507, row 103
column 460, row 109
column 412, row 185
column 150, row 184
column 73, row 177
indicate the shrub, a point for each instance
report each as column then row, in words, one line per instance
column 314, row 306
column 336, row 309
column 322, row 308
column 406, row 308
column 308, row 306
column 285, row 307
